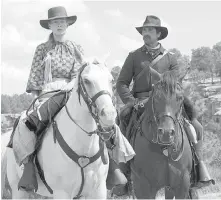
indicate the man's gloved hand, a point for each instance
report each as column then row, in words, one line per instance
column 140, row 103
column 126, row 109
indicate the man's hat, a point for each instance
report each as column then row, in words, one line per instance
column 153, row 21
column 57, row 13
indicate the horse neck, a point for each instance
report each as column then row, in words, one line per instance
column 149, row 125
column 76, row 138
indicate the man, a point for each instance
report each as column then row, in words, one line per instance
column 153, row 59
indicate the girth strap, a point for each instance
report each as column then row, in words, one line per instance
column 82, row 161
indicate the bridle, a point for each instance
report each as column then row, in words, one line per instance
column 166, row 114
column 177, row 121
column 92, row 107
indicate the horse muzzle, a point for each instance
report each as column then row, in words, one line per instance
column 107, row 116
column 166, row 136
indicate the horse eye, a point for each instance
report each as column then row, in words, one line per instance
column 112, row 81
column 86, row 81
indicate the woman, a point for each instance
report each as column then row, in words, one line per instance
column 54, row 66
column 55, row 62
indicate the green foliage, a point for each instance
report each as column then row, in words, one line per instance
column 202, row 59
column 207, row 60
column 217, row 58
column 16, row 103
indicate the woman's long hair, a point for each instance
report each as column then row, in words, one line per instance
column 51, row 42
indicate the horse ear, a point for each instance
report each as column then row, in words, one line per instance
column 95, row 61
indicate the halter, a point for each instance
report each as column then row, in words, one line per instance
column 90, row 102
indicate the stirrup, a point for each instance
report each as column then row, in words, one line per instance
column 120, row 190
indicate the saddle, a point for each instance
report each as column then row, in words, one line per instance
column 40, row 118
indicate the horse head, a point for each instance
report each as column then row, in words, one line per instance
column 94, row 86
column 164, row 108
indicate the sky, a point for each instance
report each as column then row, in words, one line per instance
column 104, row 29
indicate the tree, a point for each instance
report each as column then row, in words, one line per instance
column 203, row 60
column 216, row 51
column 4, row 105
column 183, row 62
column 16, row 103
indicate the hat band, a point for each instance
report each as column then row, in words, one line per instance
column 150, row 24
column 58, row 17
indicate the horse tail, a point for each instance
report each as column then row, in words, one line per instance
column 3, row 173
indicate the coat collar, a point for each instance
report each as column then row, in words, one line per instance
column 144, row 49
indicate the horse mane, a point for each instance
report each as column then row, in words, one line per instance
column 169, row 82
column 190, row 111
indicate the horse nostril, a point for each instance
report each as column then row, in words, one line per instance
column 102, row 112
column 108, row 112
column 172, row 132
column 160, row 131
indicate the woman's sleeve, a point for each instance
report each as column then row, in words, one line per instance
column 78, row 61
column 36, row 76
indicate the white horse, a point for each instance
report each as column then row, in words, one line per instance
column 89, row 109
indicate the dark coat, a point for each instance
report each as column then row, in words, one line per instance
column 134, row 63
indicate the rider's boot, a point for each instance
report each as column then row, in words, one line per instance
column 28, row 181
column 38, row 120
column 116, row 180
column 204, row 178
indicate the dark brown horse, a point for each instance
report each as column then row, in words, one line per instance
column 163, row 153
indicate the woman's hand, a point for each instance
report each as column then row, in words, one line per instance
column 67, row 88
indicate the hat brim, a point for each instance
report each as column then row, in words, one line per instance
column 163, row 30
column 70, row 20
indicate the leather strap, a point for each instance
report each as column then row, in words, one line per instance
column 159, row 57
column 70, row 153
column 75, row 157
column 142, row 94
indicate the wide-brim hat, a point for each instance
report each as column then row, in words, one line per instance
column 153, row 21
column 58, row 13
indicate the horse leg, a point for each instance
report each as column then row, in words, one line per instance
column 182, row 192
column 60, row 194
column 20, row 194
column 143, row 189
column 100, row 192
